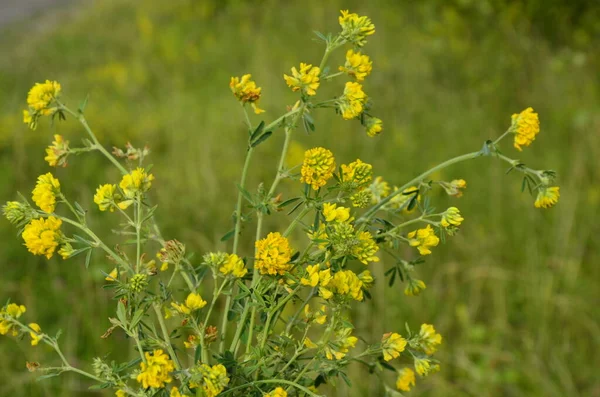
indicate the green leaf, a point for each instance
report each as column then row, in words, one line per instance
column 40, row 378
column 137, row 316
column 121, row 313
column 257, row 131
column 295, row 208
column 288, row 202
column 83, row 104
column 261, row 138
column 88, row 258
column 228, row 235
column 245, row 193
column 101, row 386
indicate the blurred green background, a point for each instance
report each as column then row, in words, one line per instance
column 514, row 295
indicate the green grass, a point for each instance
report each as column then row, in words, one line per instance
column 514, row 294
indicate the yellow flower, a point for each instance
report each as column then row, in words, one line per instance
column 112, row 276
column 234, row 265
column 366, row 248
column 45, row 191
column 454, row 187
column 362, row 198
column 352, row 102
column 307, row 79
column 347, row 283
column 18, row 213
column 343, row 343
column 357, row 65
column 66, row 251
column 120, row 393
column 36, row 335
column 56, row 154
column 429, row 339
column 279, row 392
column 312, row 277
column 374, row 126
column 422, row 365
column 214, row 379
column 402, row 201
column 309, row 343
column 192, row 303
column 105, row 197
column 318, row 167
column 42, row 236
column 423, row 239
column 380, row 189
column 332, row 212
column 156, row 371
column 451, row 218
column 175, row 393
column 414, row 287
column 273, row 254
column 357, row 174
column 136, row 182
column 366, row 278
column 547, row 197
column 192, row 342
column 41, row 96
column 14, row 311
column 246, row 91
column 525, row 126
column 27, row 118
column 406, row 379
column 355, row 29
column 392, row 344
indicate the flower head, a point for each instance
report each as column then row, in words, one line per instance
column 525, row 126
column 429, row 339
column 451, row 218
column 273, row 254
column 136, row 182
column 233, row 265
column 344, row 341
column 357, row 65
column 374, row 126
column 306, row 80
column 10, row 311
column 366, row 248
column 56, row 154
column 351, row 103
column 406, row 379
column 347, row 283
column 392, row 344
column 156, row 371
column 42, row 236
column 423, row 239
column 212, row 379
column 547, row 197
column 454, row 187
column 357, row 175
column 362, row 198
column 246, row 91
column 18, row 213
column 356, row 28
column 192, row 303
column 41, row 102
column 35, row 334
column 278, row 392
column 332, row 213
column 318, row 167
column 380, row 189
column 45, row 191
column 105, row 197
column 414, row 287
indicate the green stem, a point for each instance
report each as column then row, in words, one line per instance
column 165, row 333
column 255, row 278
column 138, row 233
column 293, row 319
column 295, row 222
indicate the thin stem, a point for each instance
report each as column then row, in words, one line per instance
column 291, row 322
column 255, row 278
column 295, row 222
column 138, row 233
column 165, row 333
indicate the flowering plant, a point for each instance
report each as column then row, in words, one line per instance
column 272, row 321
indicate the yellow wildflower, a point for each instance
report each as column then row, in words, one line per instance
column 356, row 28
column 56, row 154
column 454, row 187
column 66, row 250
column 156, row 371
column 414, row 287
column 547, row 197
column 422, row 365
column 366, row 278
column 307, row 79
column 406, row 379
column 112, row 276
column 429, row 339
column 312, row 277
column 366, row 248
column 344, row 342
column 120, row 393
column 362, row 198
column 136, row 182
column 246, row 91
column 192, row 303
column 175, row 393
column 279, row 392
column 45, row 191
column 332, row 212
column 423, row 239
column 36, row 334
column 392, row 344
column 352, row 102
column 357, row 174
column 525, row 126
column 318, row 167
column 357, row 65
column 214, row 379
column 192, row 342
column 347, row 283
column 42, row 236
column 18, row 213
column 14, row 311
column 41, row 96
column 234, row 265
column 310, row 344
column 273, row 254
column 451, row 218
column 105, row 197
column 374, row 126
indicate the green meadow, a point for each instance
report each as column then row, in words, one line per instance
column 515, row 294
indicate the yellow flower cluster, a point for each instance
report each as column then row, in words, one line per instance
column 136, row 182
column 192, row 303
column 374, row 126
column 357, row 65
column 214, row 379
column 319, row 316
column 45, row 191
column 451, row 218
column 454, row 187
column 352, row 102
column 175, row 393
column 273, row 254
column 547, row 197
column 105, row 197
column 392, row 344
column 423, row 239
column 233, row 265
column 40, row 102
column 318, row 167
column 156, row 371
column 343, row 343
column 35, row 333
column 332, row 212
column 366, row 248
column 406, row 379
column 278, row 392
column 429, row 339
column 356, row 28
column 306, row 80
column 246, row 91
column 14, row 311
column 414, row 287
column 357, row 174
column 42, row 236
column 56, row 154
column 347, row 283
column 525, row 126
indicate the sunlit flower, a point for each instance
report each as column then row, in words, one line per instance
column 41, row 96
column 347, row 283
column 233, row 265
column 136, row 182
column 422, row 366
column 406, row 379
column 352, row 102
column 105, row 197
column 414, row 287
column 156, row 371
column 307, row 79
column 392, row 344
column 318, row 167
column 357, row 65
column 428, row 339
column 451, row 218
column 278, row 392
column 312, row 276
column 112, row 276
column 525, row 126
column 192, row 303
column 454, row 187
column 56, row 154
column 66, row 251
column 42, row 236
column 35, row 334
column 14, row 311
column 356, row 28
column 273, row 254
column 357, row 175
column 344, row 341
column 246, row 91
column 366, row 249
column 332, row 212
column 213, row 379
column 423, row 239
column 547, row 197
column 374, row 126
column 45, row 191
